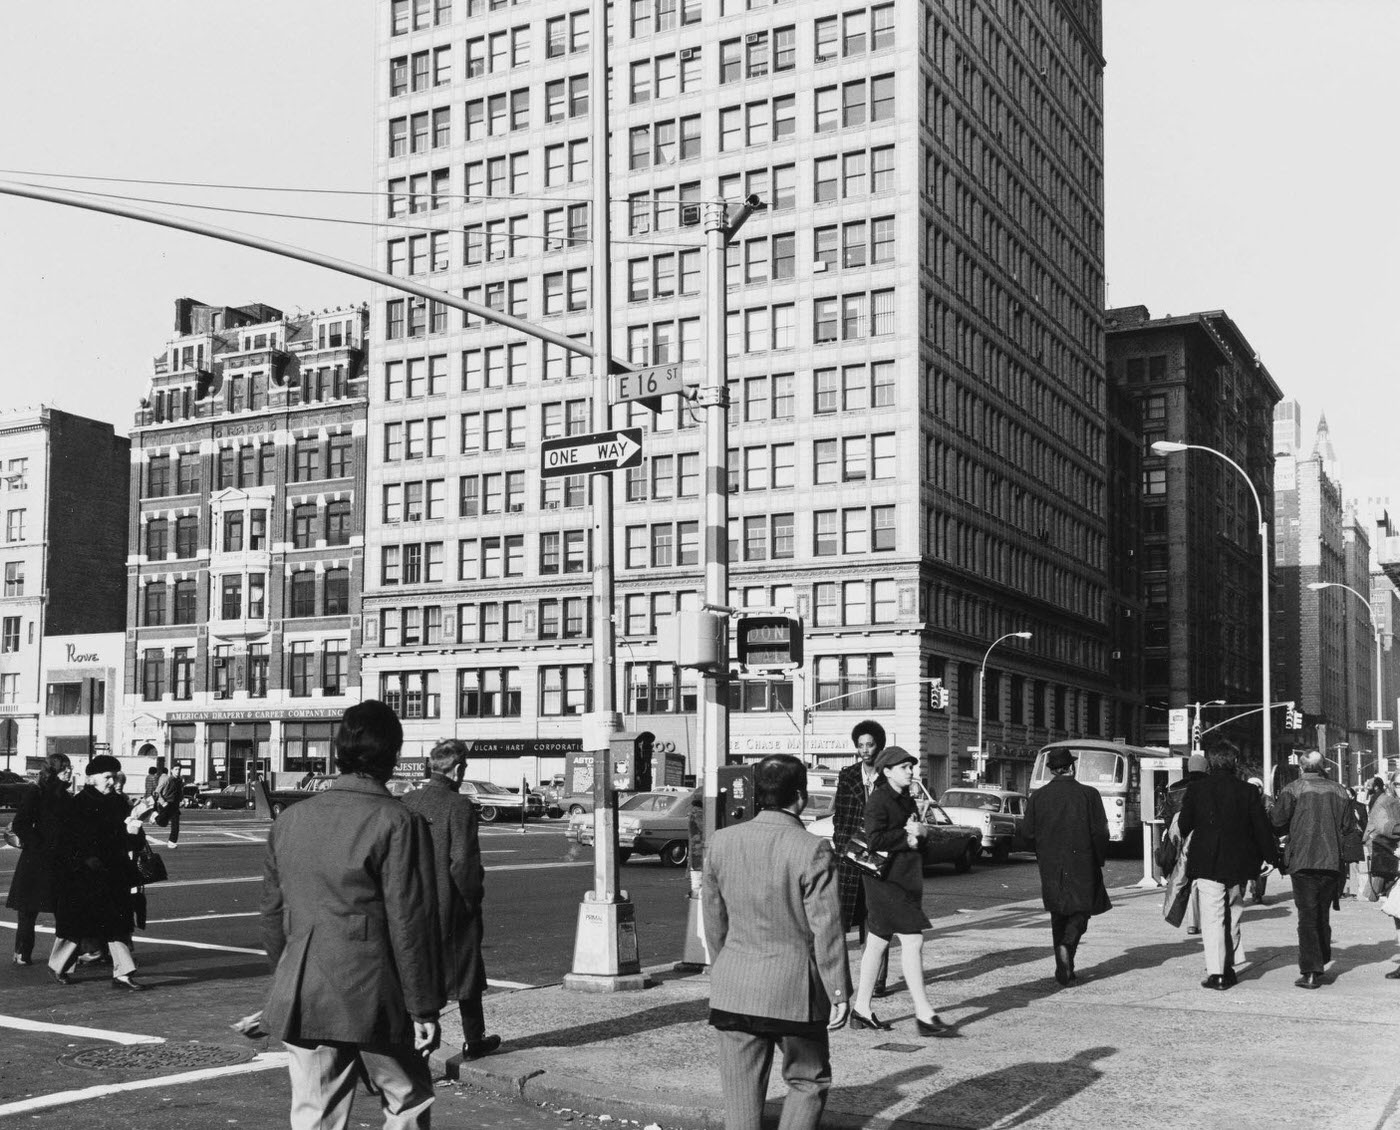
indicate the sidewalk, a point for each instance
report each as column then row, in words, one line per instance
column 1136, row 1042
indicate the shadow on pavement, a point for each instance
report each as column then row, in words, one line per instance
column 648, row 1021
column 1009, row 1096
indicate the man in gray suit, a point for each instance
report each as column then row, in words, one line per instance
column 773, row 922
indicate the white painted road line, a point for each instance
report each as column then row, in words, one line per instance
column 263, row 1062
column 149, row 941
column 76, row 1030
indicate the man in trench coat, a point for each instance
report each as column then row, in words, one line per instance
column 349, row 922
column 1066, row 823
column 460, row 887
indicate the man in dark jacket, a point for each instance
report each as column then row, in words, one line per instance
column 1065, row 823
column 1315, row 814
column 349, row 922
column 853, row 785
column 460, row 888
column 1231, row 842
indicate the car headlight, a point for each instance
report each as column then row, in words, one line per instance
column 631, row 827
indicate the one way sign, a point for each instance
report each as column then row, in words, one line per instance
column 582, row 455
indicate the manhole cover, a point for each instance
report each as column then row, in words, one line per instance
column 903, row 1048
column 139, row 1058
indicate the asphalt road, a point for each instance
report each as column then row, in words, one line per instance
column 202, row 958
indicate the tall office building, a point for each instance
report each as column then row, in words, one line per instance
column 1195, row 379
column 916, row 444
column 63, row 493
column 246, row 542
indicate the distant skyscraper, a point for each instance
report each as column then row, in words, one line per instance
column 1196, row 379
column 917, row 440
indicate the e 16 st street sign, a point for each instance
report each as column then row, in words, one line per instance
column 645, row 383
column 583, row 455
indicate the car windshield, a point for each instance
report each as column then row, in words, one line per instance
column 646, row 802
column 819, row 805
column 987, row 802
column 1099, row 767
column 934, row 814
column 488, row 787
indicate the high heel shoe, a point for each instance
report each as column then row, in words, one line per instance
column 872, row 1021
column 933, row 1026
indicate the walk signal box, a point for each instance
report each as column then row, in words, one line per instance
column 736, row 801
column 769, row 641
column 631, row 761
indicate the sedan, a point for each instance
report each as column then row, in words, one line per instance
column 997, row 812
column 13, row 788
column 653, row 823
column 945, row 842
column 497, row 803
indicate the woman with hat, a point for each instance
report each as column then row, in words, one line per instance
column 894, row 904
column 95, row 876
column 853, row 787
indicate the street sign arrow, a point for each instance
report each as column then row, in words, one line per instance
column 1380, row 724
column 583, row 455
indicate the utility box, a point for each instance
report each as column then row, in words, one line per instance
column 1158, row 775
column 736, row 799
column 630, row 759
column 694, row 638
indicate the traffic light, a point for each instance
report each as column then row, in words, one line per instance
column 1294, row 718
column 769, row 640
column 937, row 695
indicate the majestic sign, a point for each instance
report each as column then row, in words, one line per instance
column 582, row 455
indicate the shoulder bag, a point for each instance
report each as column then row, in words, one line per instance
column 866, row 859
column 1352, row 850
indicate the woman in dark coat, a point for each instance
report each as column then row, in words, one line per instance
column 95, row 876
column 38, row 824
column 894, row 904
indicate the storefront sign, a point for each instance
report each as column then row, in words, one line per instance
column 261, row 714
column 524, row 747
column 762, row 745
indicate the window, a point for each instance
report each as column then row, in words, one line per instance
column 492, row 692
column 304, row 526
column 335, row 667
column 157, row 476
column 231, row 597
column 186, row 536
column 185, row 602
column 157, row 539
column 182, row 675
column 187, row 474
column 154, row 611
column 9, row 634
column 338, row 461
column 14, row 578
column 858, row 682
column 337, row 586
column 307, row 460
column 411, row 694
column 152, row 675
column 565, row 690
column 300, row 661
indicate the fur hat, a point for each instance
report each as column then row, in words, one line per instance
column 102, row 763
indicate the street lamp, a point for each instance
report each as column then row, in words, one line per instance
column 1318, row 586
column 1167, row 447
column 982, row 699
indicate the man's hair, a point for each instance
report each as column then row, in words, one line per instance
column 447, row 755
column 777, row 781
column 1312, row 762
column 1223, row 757
column 874, row 729
column 369, row 740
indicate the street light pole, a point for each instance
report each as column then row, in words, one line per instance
column 1167, row 447
column 982, row 701
column 1318, row 586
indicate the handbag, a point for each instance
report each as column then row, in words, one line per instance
column 866, row 859
column 150, row 866
column 1391, row 903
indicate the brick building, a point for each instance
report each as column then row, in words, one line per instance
column 63, row 489
column 1195, row 379
column 246, row 536
column 915, row 335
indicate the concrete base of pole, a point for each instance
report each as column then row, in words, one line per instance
column 605, row 948
column 696, row 956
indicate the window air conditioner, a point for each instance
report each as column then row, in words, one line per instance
column 754, row 37
column 689, row 52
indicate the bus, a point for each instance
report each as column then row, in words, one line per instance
column 1114, row 770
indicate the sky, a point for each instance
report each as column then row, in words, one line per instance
column 1250, row 166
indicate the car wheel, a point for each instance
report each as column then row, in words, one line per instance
column 489, row 813
column 965, row 861
column 1001, row 853
column 277, row 808
column 555, row 812
column 675, row 853
column 624, row 854
column 576, row 810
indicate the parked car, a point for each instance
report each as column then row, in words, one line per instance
column 226, row 796
column 946, row 842
column 651, row 823
column 13, row 788
column 576, row 803
column 496, row 802
column 997, row 812
column 821, row 803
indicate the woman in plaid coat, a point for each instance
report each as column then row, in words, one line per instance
column 853, row 785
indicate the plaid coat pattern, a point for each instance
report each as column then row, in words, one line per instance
column 848, row 818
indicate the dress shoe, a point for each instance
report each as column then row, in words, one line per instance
column 20, row 959
column 1062, row 975
column 475, row 1049
column 1193, row 929
column 1214, row 981
column 1394, row 974
column 872, row 1021
column 97, row 957
column 881, row 990
column 1229, row 979
column 1309, row 981
column 127, row 984
column 932, row 1026
column 58, row 978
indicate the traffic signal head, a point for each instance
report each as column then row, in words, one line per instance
column 938, row 697
column 769, row 640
